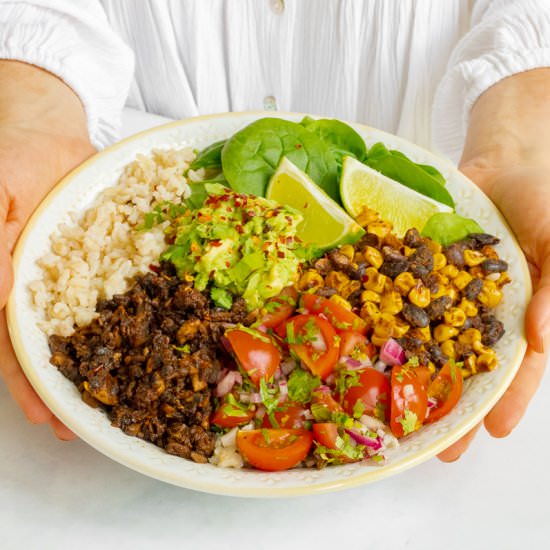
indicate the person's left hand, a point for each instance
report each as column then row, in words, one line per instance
column 523, row 197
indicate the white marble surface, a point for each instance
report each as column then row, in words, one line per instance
column 56, row 495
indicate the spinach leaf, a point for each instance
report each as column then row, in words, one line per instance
column 397, row 166
column 340, row 138
column 447, row 228
column 210, row 157
column 430, row 170
column 250, row 157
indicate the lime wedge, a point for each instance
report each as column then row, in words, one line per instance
column 362, row 186
column 326, row 224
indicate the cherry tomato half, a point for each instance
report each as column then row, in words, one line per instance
column 223, row 420
column 409, row 401
column 326, row 433
column 355, row 345
column 314, row 341
column 291, row 415
column 274, row 449
column 339, row 317
column 328, row 402
column 278, row 309
column 446, row 389
column 255, row 353
column 373, row 391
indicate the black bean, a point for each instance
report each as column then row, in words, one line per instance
column 437, row 356
column 415, row 316
column 479, row 240
column 326, row 291
column 394, row 262
column 455, row 254
column 494, row 266
column 437, row 307
column 369, row 239
column 421, row 261
column 340, row 261
column 472, row 289
column 412, row 238
column 323, row 266
column 431, row 281
column 492, row 330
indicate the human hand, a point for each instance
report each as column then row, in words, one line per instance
column 523, row 197
column 37, row 148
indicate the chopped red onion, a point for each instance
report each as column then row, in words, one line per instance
column 283, row 388
column 318, row 342
column 288, row 365
column 330, row 379
column 262, row 328
column 392, row 353
column 432, row 402
column 380, row 366
column 260, row 412
column 355, row 364
column 323, row 389
column 227, row 382
column 221, row 374
column 374, row 444
column 226, row 344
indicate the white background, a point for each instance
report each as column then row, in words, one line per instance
column 56, row 495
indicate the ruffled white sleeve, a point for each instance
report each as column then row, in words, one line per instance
column 73, row 40
column 506, row 37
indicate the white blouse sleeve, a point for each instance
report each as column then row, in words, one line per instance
column 73, row 40
column 506, row 37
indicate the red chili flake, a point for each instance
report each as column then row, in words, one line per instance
column 280, row 254
column 239, row 229
column 216, row 243
column 227, row 264
column 251, row 213
column 306, row 204
column 154, row 268
column 298, row 146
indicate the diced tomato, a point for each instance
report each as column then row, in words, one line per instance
column 255, row 353
column 325, row 399
column 355, row 345
column 274, row 449
column 409, row 401
column 446, row 389
column 374, row 393
column 338, row 316
column 292, row 415
column 326, row 434
column 223, row 420
column 278, row 309
column 314, row 341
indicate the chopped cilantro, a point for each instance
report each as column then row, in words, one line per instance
column 221, row 297
column 409, row 421
column 301, row 385
column 380, row 410
column 320, row 412
column 233, row 408
column 265, row 433
column 270, row 397
column 346, row 379
column 413, row 361
column 184, row 349
column 359, row 409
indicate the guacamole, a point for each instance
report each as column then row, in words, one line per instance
column 236, row 245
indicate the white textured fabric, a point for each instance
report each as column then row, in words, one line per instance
column 374, row 61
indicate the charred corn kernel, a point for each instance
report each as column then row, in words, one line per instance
column 340, row 301
column 350, row 288
column 370, row 296
column 440, row 261
column 468, row 307
column 470, row 364
column 400, row 328
column 448, row 348
column 373, row 256
column 380, row 228
column 370, row 310
column 374, row 280
column 444, row 332
column 367, row 216
column 348, row 251
column 404, row 282
column 391, row 240
column 391, row 302
column 473, row 257
column 407, row 250
column 383, row 326
column 486, row 361
column 451, row 292
column 476, row 271
column 462, row 279
column 336, row 279
column 359, row 257
column 490, row 295
column 310, row 279
column 388, row 285
column 503, row 279
column 489, row 252
column 422, row 334
column 188, row 278
column 480, row 349
column 454, row 317
column 378, row 340
column 419, row 295
column 435, row 247
column 450, row 271
column 469, row 336
column 431, row 367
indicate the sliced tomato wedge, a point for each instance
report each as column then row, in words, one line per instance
column 274, row 449
column 222, row 419
column 409, row 401
column 278, row 309
column 338, row 316
column 374, row 393
column 326, row 434
column 256, row 354
column 325, row 399
column 446, row 389
column 291, row 415
column 355, row 345
column 314, row 341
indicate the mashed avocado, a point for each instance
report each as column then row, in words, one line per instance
column 235, row 245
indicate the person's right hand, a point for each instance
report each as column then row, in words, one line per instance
column 43, row 136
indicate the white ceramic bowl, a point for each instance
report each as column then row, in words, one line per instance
column 76, row 192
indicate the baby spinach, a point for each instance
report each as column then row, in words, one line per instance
column 250, row 157
column 397, row 166
column 341, row 139
column 447, row 228
column 209, row 157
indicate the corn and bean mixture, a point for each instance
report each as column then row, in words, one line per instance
column 435, row 301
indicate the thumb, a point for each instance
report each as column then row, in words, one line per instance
column 6, row 272
column 537, row 317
